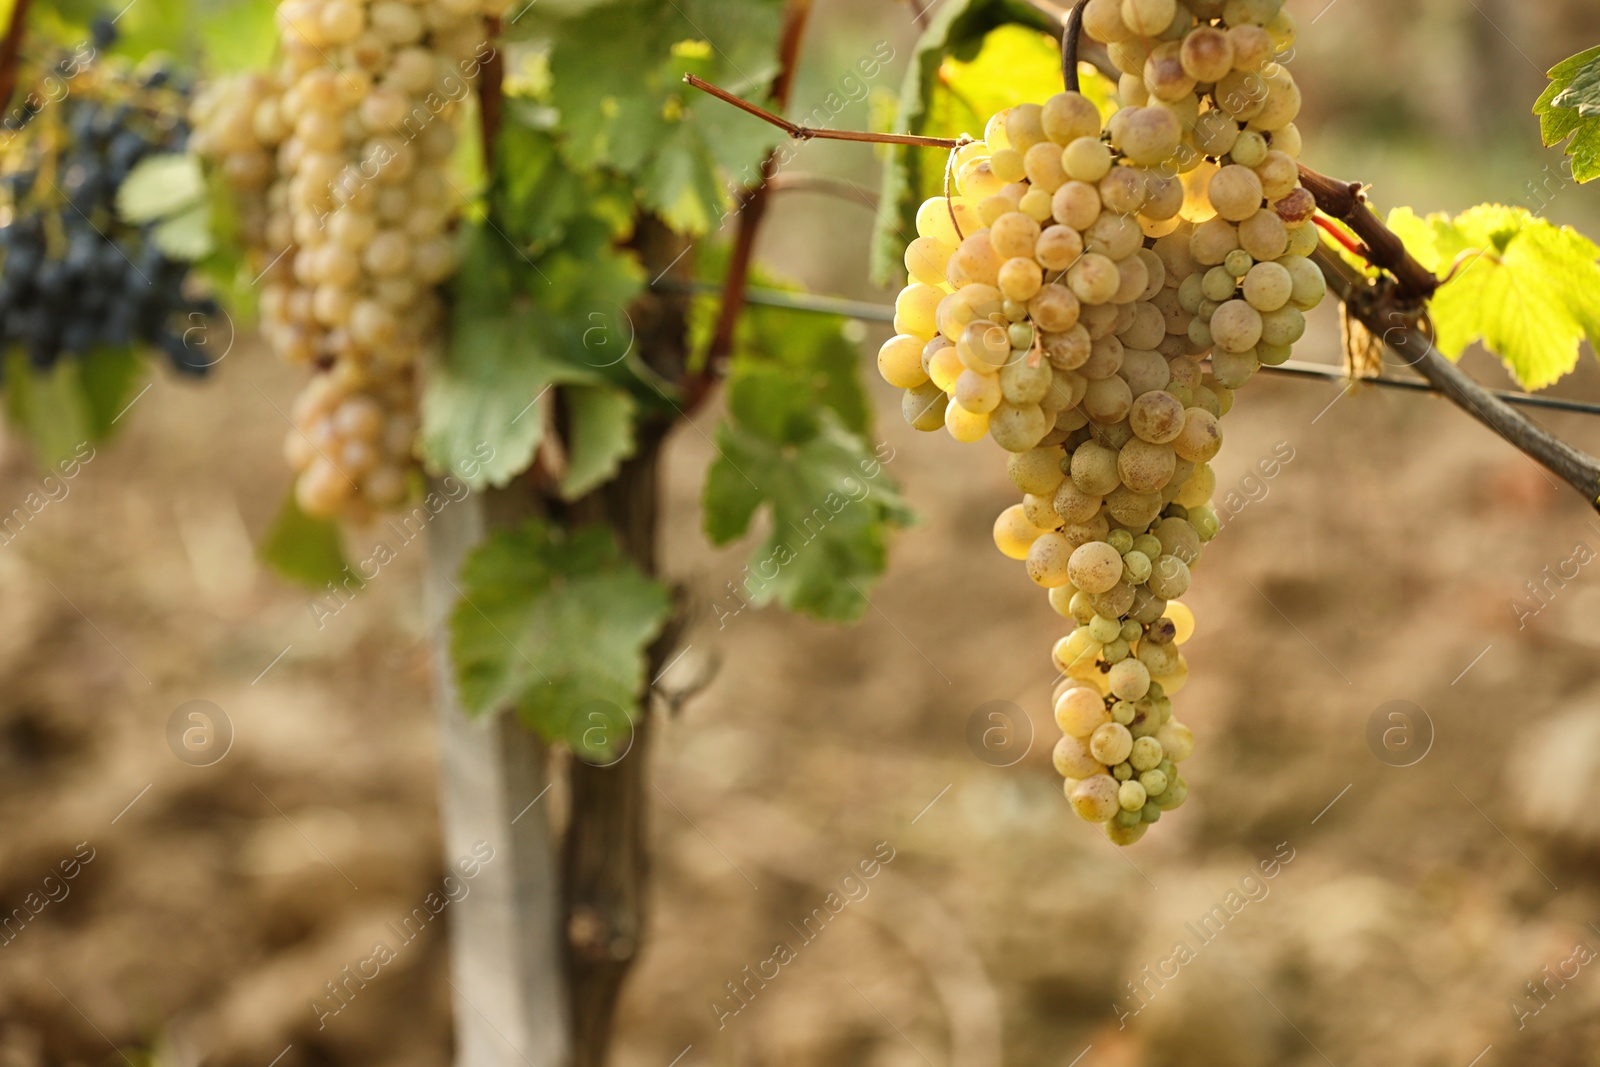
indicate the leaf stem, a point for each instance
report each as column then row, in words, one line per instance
column 1072, row 30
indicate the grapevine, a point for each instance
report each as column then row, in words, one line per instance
column 77, row 277
column 340, row 159
column 1090, row 297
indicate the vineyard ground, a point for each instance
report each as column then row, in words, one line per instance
column 1376, row 565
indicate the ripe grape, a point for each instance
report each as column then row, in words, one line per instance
column 1072, row 322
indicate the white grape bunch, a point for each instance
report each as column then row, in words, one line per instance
column 1090, row 297
column 339, row 157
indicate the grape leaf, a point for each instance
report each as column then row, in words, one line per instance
column 48, row 406
column 74, row 403
column 623, row 104
column 302, row 549
column 550, row 620
column 186, row 236
column 1570, row 108
column 832, row 507
column 507, row 350
column 485, row 397
column 976, row 57
column 536, row 192
column 599, row 437
column 810, row 359
column 160, row 186
column 237, row 35
column 1529, row 290
column 107, row 377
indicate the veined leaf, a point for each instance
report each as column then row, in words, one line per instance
column 553, row 621
column 507, row 350
column 831, row 508
column 160, row 186
column 1570, row 108
column 617, row 82
column 1529, row 290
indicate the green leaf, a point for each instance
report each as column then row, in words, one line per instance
column 1570, row 108
column 599, row 437
column 156, row 26
column 485, row 397
column 303, row 549
column 831, row 509
column 74, row 403
column 537, row 192
column 804, row 359
column 977, row 57
column 506, row 351
column 623, row 104
column 238, row 35
column 186, row 236
column 107, row 377
column 49, row 407
column 159, row 186
column 550, row 621
column 1530, row 291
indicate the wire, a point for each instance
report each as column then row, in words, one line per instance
column 867, row 311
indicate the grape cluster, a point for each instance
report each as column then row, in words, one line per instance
column 340, row 160
column 1090, row 299
column 74, row 276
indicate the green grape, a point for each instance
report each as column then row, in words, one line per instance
column 1239, row 261
column 1220, row 283
column 1104, row 630
column 1136, row 569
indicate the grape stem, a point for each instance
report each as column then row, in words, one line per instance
column 807, row 133
column 11, row 52
column 1072, row 29
column 754, row 200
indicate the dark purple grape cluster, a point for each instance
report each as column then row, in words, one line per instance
column 74, row 276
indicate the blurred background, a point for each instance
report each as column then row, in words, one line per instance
column 1434, row 896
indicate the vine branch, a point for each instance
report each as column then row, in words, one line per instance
column 491, row 90
column 1347, row 202
column 795, row 15
column 11, row 52
column 1379, row 309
